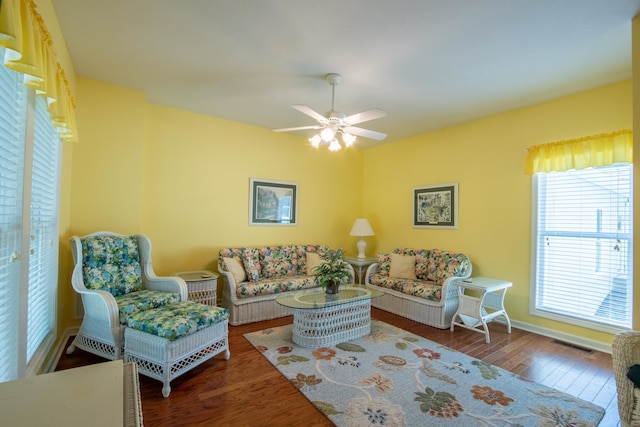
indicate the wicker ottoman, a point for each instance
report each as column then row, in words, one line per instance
column 168, row 341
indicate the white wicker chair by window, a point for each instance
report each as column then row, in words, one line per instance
column 102, row 331
column 625, row 352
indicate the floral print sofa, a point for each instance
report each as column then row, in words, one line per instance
column 255, row 276
column 417, row 283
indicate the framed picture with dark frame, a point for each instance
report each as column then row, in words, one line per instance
column 436, row 206
column 273, row 202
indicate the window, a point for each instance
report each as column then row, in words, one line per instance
column 583, row 241
column 29, row 181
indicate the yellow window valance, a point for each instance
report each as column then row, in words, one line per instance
column 29, row 50
column 598, row 150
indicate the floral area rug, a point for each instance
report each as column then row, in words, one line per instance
column 394, row 378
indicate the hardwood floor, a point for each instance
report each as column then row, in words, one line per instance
column 247, row 391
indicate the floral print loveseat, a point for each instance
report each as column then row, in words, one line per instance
column 417, row 283
column 255, row 276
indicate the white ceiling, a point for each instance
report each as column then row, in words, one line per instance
column 428, row 63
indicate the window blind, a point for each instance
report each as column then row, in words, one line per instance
column 584, row 240
column 43, row 253
column 12, row 116
column 29, row 171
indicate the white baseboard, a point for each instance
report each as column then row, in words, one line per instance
column 61, row 346
column 560, row 336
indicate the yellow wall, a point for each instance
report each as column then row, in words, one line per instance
column 196, row 188
column 107, row 160
column 183, row 179
column 486, row 158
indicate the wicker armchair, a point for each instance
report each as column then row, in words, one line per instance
column 625, row 352
column 114, row 276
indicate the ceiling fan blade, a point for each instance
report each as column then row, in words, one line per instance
column 309, row 112
column 366, row 133
column 365, row 116
column 298, row 128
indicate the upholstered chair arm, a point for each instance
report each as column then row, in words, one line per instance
column 97, row 304
column 625, row 352
column 371, row 270
column 450, row 291
column 102, row 307
column 230, row 286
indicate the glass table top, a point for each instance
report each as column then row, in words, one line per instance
column 320, row 299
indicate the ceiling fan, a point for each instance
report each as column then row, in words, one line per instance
column 336, row 122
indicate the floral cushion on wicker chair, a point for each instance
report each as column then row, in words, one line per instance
column 143, row 300
column 177, row 320
column 112, row 264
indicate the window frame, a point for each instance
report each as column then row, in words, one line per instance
column 534, row 310
column 23, row 354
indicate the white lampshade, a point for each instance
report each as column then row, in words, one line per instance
column 361, row 228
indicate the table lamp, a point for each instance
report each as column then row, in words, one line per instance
column 361, row 228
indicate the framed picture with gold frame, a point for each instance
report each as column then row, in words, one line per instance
column 273, row 202
column 436, row 206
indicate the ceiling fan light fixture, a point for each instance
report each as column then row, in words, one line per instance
column 348, row 139
column 315, row 140
column 334, row 145
column 335, row 122
column 327, row 134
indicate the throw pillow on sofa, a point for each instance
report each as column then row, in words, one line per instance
column 403, row 267
column 251, row 261
column 234, row 265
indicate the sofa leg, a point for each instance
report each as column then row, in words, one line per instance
column 72, row 347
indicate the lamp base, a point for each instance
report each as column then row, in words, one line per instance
column 362, row 247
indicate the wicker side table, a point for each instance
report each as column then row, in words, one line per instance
column 203, row 285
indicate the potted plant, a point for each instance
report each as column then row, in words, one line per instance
column 332, row 271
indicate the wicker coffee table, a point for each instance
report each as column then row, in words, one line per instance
column 322, row 320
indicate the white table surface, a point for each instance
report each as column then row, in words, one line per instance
column 86, row 396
